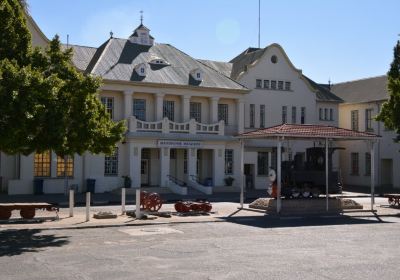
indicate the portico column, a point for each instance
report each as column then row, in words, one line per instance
column 214, row 109
column 240, row 115
column 164, row 162
column 128, row 95
column 159, row 106
column 135, row 159
column 185, row 108
column 218, row 166
column 191, row 163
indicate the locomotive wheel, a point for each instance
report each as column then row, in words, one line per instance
column 27, row 213
column 295, row 192
column 5, row 214
column 315, row 192
column 306, row 192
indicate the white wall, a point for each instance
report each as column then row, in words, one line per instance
column 384, row 149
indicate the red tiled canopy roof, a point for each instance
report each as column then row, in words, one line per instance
column 308, row 131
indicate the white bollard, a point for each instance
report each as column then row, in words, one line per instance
column 71, row 203
column 137, row 212
column 87, row 206
column 123, row 197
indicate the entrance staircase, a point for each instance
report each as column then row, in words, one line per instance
column 195, row 183
column 177, row 186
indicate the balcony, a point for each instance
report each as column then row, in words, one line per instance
column 167, row 126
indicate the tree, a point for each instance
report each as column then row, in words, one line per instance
column 390, row 113
column 45, row 103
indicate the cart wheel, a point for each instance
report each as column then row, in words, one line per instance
column 391, row 201
column 5, row 214
column 27, row 213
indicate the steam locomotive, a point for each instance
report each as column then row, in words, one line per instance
column 306, row 179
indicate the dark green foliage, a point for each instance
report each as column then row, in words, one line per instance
column 45, row 103
column 390, row 113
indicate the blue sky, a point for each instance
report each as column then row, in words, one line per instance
column 339, row 40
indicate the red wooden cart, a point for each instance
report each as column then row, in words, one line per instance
column 393, row 199
column 27, row 210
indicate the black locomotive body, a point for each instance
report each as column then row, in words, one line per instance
column 307, row 178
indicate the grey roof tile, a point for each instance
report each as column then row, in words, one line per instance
column 364, row 90
column 81, row 55
column 117, row 58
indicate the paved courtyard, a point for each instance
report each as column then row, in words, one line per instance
column 247, row 245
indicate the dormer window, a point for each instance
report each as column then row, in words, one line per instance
column 159, row 61
column 141, row 69
column 197, row 74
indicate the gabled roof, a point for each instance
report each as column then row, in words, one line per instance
column 308, row 131
column 81, row 55
column 250, row 56
column 323, row 92
column 116, row 60
column 364, row 90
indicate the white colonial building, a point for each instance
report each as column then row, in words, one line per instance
column 280, row 93
column 362, row 102
column 182, row 115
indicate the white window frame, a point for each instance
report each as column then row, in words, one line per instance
column 223, row 112
column 195, row 111
column 108, row 102
column 111, row 164
column 169, row 109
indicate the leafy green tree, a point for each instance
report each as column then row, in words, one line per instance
column 45, row 103
column 390, row 113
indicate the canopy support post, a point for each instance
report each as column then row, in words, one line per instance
column 279, row 175
column 327, row 173
column 241, row 173
column 372, row 175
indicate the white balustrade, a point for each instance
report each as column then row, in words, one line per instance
column 167, row 126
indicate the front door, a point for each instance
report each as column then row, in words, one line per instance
column 249, row 176
column 144, row 171
column 386, row 172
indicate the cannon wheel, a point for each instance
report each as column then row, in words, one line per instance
column 153, row 202
column 27, row 213
column 143, row 197
column 5, row 214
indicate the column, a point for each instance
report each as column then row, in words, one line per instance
column 159, row 106
column 128, row 95
column 135, row 159
column 240, row 115
column 218, row 166
column 185, row 108
column 214, row 109
column 164, row 162
column 241, row 177
column 327, row 173
column 191, row 163
column 279, row 175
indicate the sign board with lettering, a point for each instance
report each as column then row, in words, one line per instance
column 179, row 144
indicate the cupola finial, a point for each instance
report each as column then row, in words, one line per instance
column 141, row 17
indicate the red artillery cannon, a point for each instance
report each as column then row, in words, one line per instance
column 190, row 206
column 150, row 201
